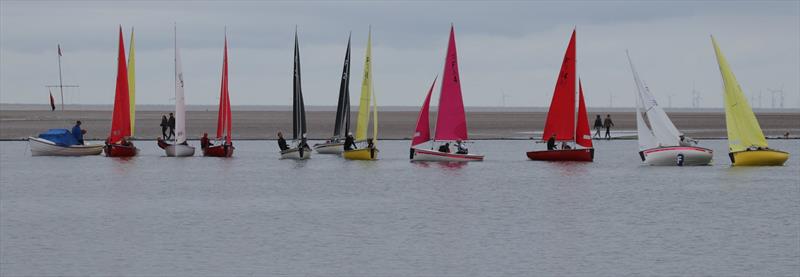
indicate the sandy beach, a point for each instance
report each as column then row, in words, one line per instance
column 515, row 123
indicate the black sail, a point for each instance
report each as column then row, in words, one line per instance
column 298, row 109
column 342, row 126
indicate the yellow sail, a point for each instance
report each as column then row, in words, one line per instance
column 132, row 84
column 743, row 128
column 366, row 95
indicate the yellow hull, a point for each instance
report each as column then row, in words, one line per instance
column 766, row 157
column 361, row 154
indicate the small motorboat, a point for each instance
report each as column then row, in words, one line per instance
column 60, row 142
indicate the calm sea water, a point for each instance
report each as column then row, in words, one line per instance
column 257, row 215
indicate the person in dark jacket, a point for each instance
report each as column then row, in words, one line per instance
column 282, row 142
column 608, row 124
column 171, row 126
column 164, row 126
column 204, row 141
column 349, row 142
column 598, row 124
column 77, row 132
column 445, row 148
column 551, row 142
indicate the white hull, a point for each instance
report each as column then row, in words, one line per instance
column 43, row 147
column 669, row 155
column 179, row 150
column 294, row 154
column 436, row 156
column 329, row 148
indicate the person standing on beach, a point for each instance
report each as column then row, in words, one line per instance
column 598, row 124
column 77, row 132
column 164, row 126
column 608, row 124
column 171, row 125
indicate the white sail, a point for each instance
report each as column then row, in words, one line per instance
column 645, row 135
column 180, row 104
column 664, row 133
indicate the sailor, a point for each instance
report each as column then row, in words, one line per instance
column 164, row 126
column 445, row 148
column 171, row 126
column 349, row 142
column 78, row 132
column 282, row 142
column 204, row 141
column 686, row 141
column 551, row 142
column 461, row 148
column 565, row 146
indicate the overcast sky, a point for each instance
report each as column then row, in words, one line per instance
column 513, row 48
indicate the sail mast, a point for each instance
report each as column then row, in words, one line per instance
column 60, row 81
column 132, row 82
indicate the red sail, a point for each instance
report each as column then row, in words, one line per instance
column 422, row 133
column 582, row 132
column 451, row 123
column 561, row 117
column 121, row 118
column 224, row 114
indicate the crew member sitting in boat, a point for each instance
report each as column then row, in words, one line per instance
column 282, row 142
column 565, row 146
column 686, row 141
column 204, row 141
column 461, row 148
column 445, row 148
column 551, row 142
column 349, row 142
column 78, row 132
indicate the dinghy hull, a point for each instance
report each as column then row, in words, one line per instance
column 119, row 150
column 365, row 154
column 296, row 153
column 179, row 150
column 677, row 155
column 763, row 157
column 43, row 147
column 436, row 156
column 225, row 151
column 329, row 148
column 577, row 155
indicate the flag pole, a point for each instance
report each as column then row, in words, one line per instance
column 60, row 81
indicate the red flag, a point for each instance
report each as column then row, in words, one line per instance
column 52, row 102
column 59, row 50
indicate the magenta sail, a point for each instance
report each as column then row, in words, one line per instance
column 422, row 133
column 451, row 122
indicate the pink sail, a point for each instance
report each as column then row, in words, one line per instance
column 582, row 131
column 121, row 117
column 451, row 122
column 561, row 116
column 224, row 116
column 422, row 133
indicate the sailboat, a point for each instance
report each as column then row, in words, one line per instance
column 746, row 141
column 451, row 121
column 661, row 143
column 561, row 124
column 179, row 147
column 335, row 145
column 132, row 83
column 370, row 152
column 118, row 143
column 224, row 147
column 299, row 149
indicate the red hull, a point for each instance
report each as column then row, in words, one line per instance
column 225, row 151
column 579, row 155
column 119, row 150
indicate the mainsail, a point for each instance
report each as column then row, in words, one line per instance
column 561, row 116
column 662, row 132
column 120, row 120
column 224, row 115
column 422, row 133
column 180, row 104
column 743, row 128
column 342, row 126
column 298, row 108
column 132, row 83
column 367, row 98
column 451, row 122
